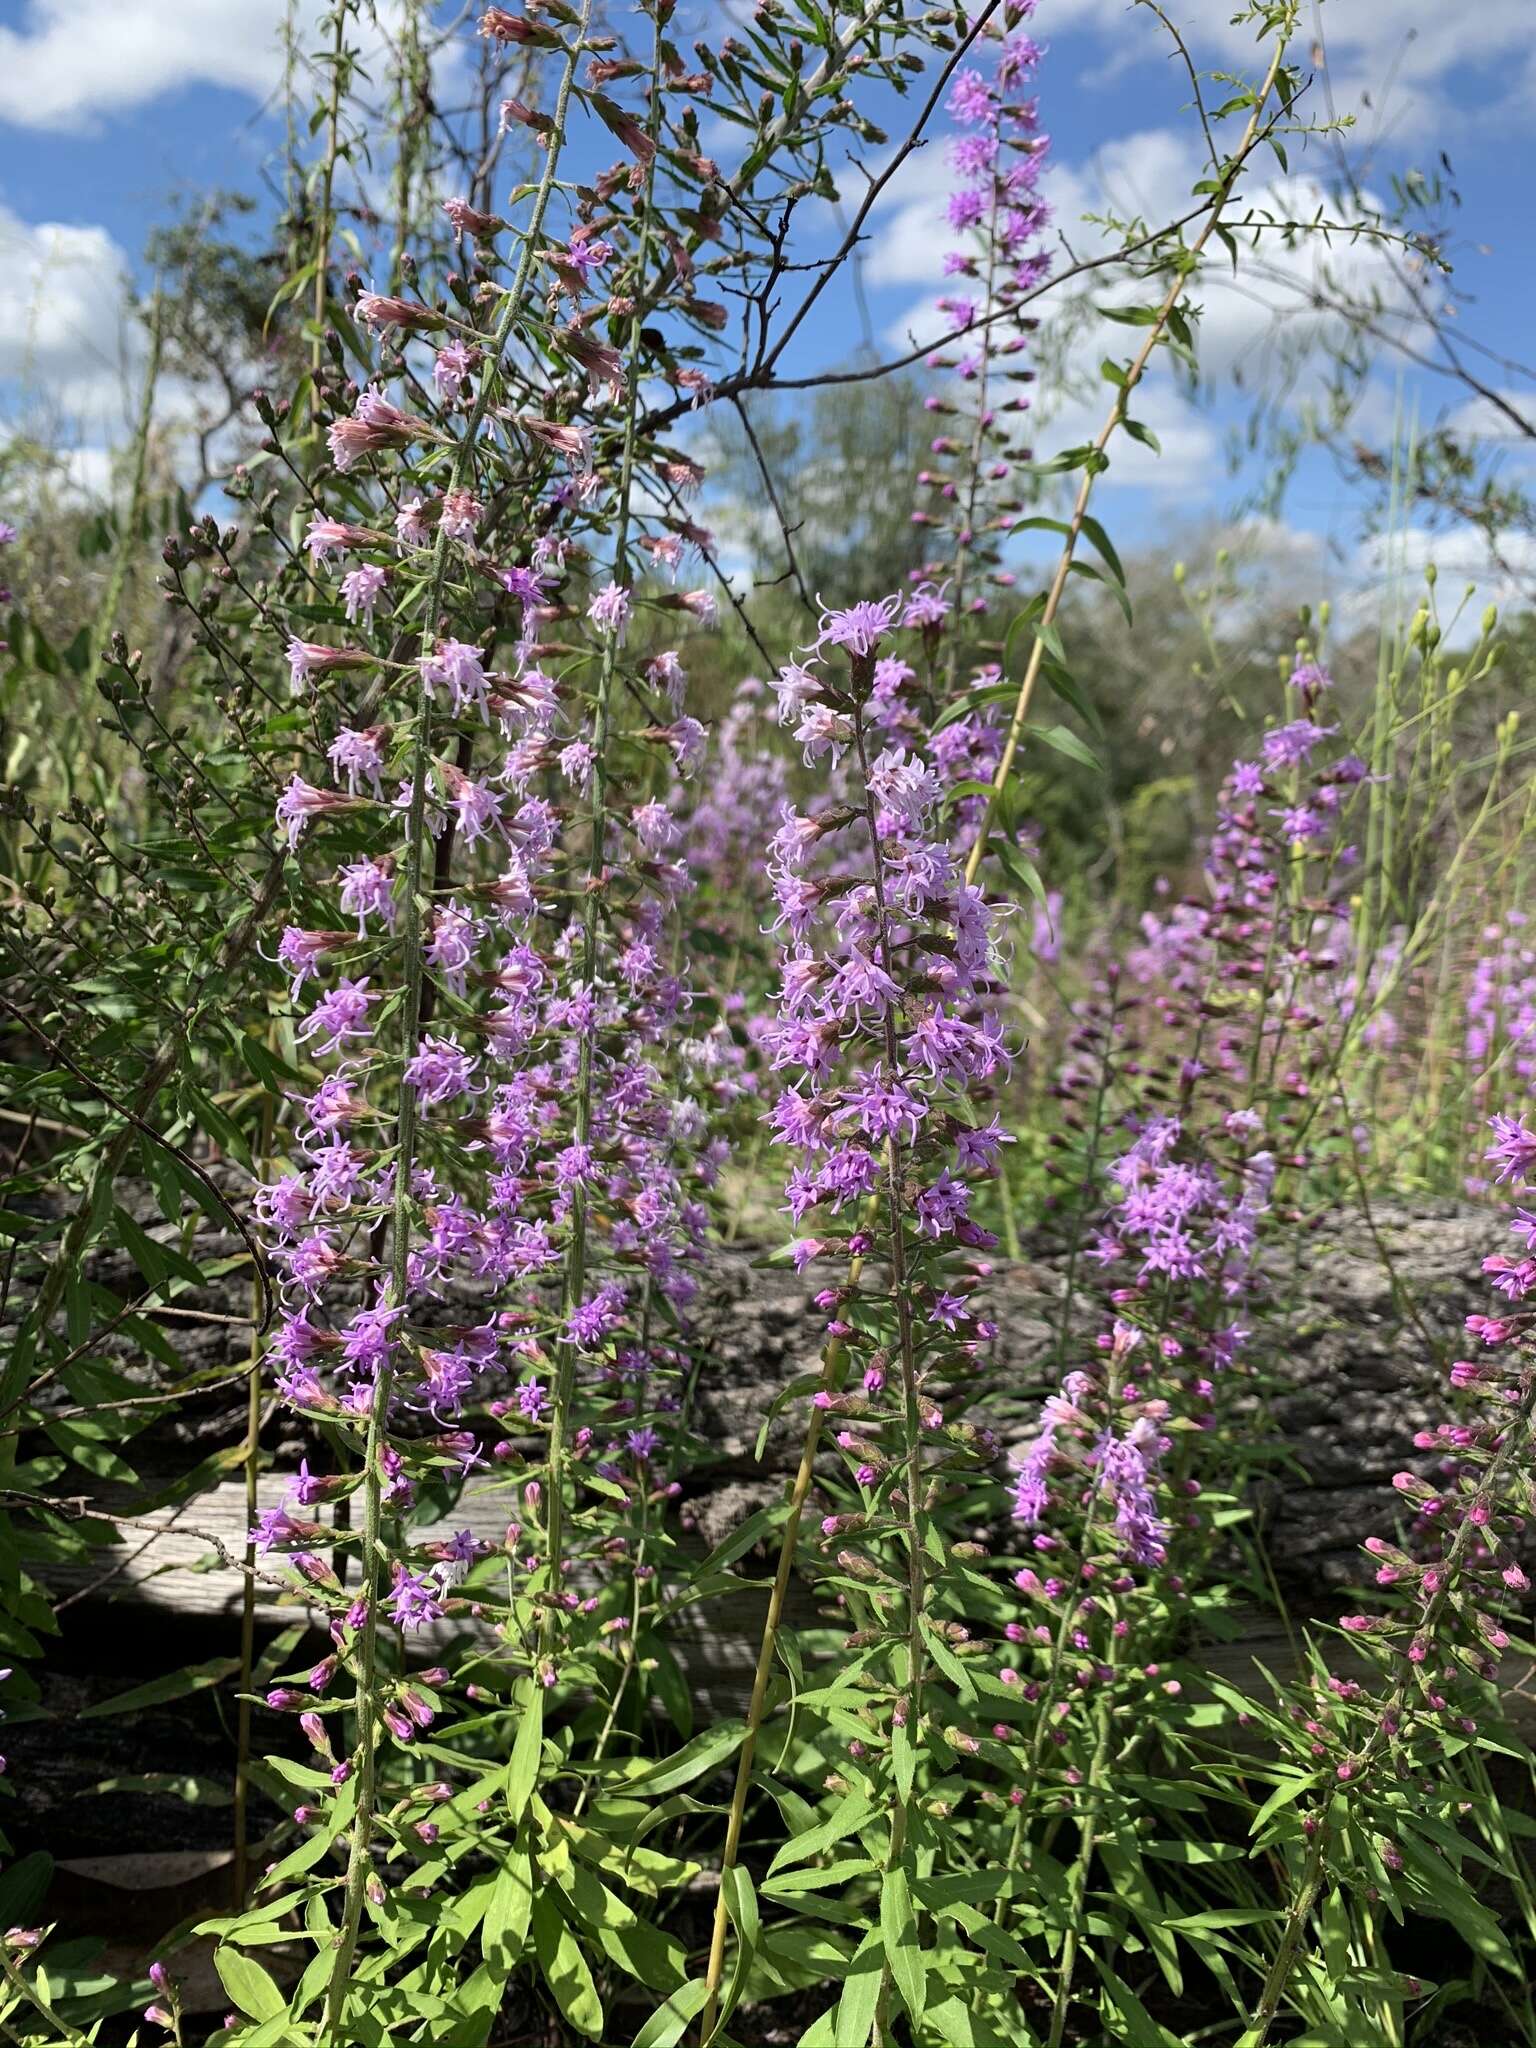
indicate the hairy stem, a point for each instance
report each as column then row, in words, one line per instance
column 1467, row 1539
column 832, row 1365
column 575, row 1277
column 1185, row 270
column 359, row 1860
column 901, row 1295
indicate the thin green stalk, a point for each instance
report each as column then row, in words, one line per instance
column 324, row 213
column 1187, row 265
column 575, row 1276
column 39, row 2004
column 112, row 596
column 832, row 1366
column 917, row 1655
column 162, row 1064
column 977, row 448
column 411, row 87
column 1077, row 1884
column 252, row 1461
column 359, row 1861
column 1468, row 1538
column 1045, row 1705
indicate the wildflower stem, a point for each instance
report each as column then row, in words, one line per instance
column 359, row 1860
column 112, row 597
column 39, row 2003
column 325, row 211
column 901, row 1296
column 252, row 1461
column 576, row 1243
column 1184, row 271
column 1077, row 1887
column 831, row 1377
column 1467, row 1539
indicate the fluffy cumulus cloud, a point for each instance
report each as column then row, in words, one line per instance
column 1424, row 48
column 70, row 358
column 1281, row 303
column 73, row 354
column 1505, row 417
column 73, row 61
column 1389, row 572
column 61, row 330
column 72, row 64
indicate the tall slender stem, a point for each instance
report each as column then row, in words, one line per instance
column 1468, row 1538
column 831, row 1377
column 248, row 1584
column 1117, row 413
column 575, row 1277
column 324, row 212
column 917, row 1656
column 123, row 556
column 360, row 1851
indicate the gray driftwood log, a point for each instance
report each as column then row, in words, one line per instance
column 1367, row 1316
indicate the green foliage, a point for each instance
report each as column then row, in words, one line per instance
column 924, row 1852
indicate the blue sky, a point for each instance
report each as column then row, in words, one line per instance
column 109, row 117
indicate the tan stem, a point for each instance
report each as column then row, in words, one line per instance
column 1106, row 434
column 831, row 1374
column 360, row 1852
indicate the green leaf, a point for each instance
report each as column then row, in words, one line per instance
column 741, row 1539
column 1129, row 316
column 1062, row 740
column 1141, row 2030
column 945, row 1657
column 898, row 1930
column 157, row 1262
column 1132, row 1886
column 274, row 1074
column 174, row 1686
column 24, row 1887
column 1065, row 685
column 850, row 1814
column 1101, row 540
column 1285, row 1792
column 523, row 1765
column 903, row 1757
column 249, row 1986
column 667, row 2025
column 802, row 1383
column 314, row 1851
column 565, row 1967
column 504, row 1931
column 741, row 1904
column 706, row 1752
column 861, row 1992
column 1098, row 576
column 79, row 1443
column 819, row 1877
column 195, row 1791
column 1018, row 867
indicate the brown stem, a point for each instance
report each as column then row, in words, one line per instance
column 1117, row 413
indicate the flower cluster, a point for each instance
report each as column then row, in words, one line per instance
column 998, row 158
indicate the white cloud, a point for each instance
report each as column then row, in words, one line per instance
column 1480, row 419
column 72, row 63
column 1280, row 295
column 62, row 333
column 1185, row 464
column 74, row 59
column 1472, row 574
column 73, row 355
column 1402, row 53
